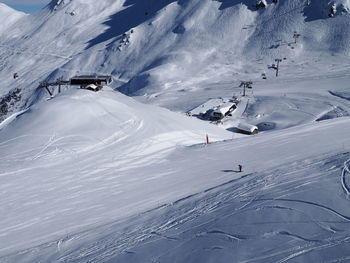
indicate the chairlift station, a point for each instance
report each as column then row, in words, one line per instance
column 87, row 80
column 84, row 81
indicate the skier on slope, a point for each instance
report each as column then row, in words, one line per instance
column 240, row 167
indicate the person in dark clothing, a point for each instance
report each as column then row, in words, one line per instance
column 240, row 167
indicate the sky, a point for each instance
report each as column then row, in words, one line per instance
column 27, row 6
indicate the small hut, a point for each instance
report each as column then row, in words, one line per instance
column 247, row 128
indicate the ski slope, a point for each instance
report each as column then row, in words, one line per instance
column 59, row 141
column 123, row 175
column 250, row 219
column 78, row 200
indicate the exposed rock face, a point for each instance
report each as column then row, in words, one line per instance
column 261, row 4
column 320, row 9
column 8, row 102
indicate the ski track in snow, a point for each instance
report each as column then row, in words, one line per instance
column 79, row 194
column 234, row 237
column 345, row 177
column 30, row 53
column 312, row 204
column 205, row 215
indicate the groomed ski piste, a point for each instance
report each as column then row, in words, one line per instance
column 123, row 175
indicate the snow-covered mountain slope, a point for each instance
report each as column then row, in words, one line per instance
column 8, row 17
column 169, row 47
column 78, row 172
column 58, row 200
column 94, row 137
column 82, row 121
column 250, row 219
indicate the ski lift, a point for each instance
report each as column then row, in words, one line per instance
column 273, row 66
column 15, row 76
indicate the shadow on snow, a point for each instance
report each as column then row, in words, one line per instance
column 135, row 13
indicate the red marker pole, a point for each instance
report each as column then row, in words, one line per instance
column 207, row 139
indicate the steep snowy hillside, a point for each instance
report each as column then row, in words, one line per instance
column 171, row 48
column 38, row 44
column 124, row 175
column 8, row 17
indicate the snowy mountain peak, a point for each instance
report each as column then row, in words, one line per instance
column 8, row 16
column 6, row 10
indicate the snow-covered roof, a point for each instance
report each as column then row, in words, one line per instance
column 246, row 127
column 214, row 104
column 91, row 86
column 225, row 107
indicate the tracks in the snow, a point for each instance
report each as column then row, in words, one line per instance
column 344, row 175
column 259, row 209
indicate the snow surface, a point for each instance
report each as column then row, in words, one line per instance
column 126, row 136
column 103, row 177
column 8, row 17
